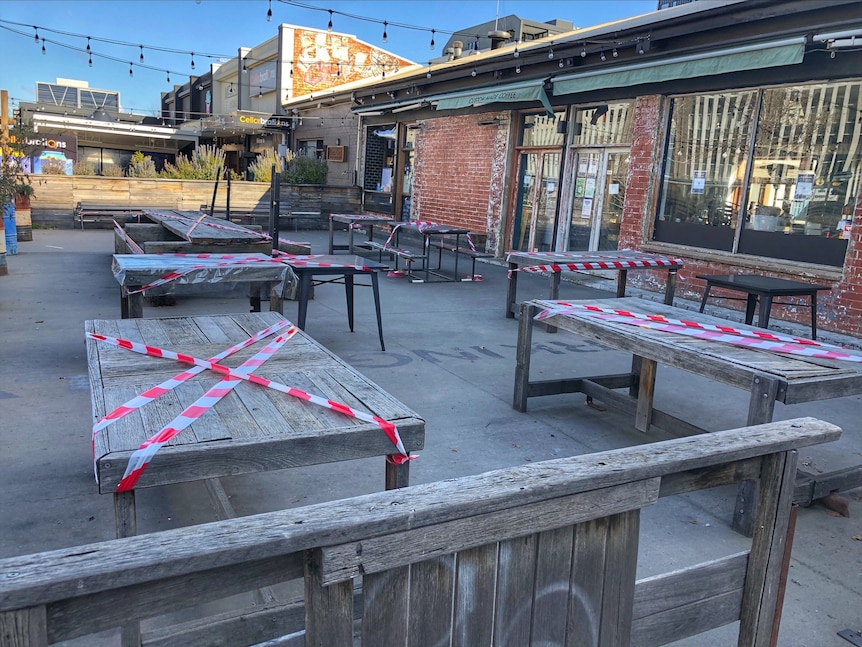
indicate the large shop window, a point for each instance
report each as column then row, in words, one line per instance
column 771, row 173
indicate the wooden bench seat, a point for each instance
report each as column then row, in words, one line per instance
column 104, row 213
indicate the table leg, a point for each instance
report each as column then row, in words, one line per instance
column 376, row 291
column 331, row 236
column 646, row 391
column 126, row 526
column 622, row 277
column 522, row 356
column 135, row 308
column 350, row 238
column 750, row 304
column 457, row 255
column 511, row 290
column 348, row 292
column 670, row 287
column 705, row 295
column 124, row 304
column 554, row 280
column 764, row 390
column 304, row 290
column 397, row 476
column 254, row 296
column 813, row 297
column 765, row 309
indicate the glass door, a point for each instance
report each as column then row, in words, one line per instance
column 536, row 204
column 599, row 195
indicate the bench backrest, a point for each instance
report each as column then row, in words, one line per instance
column 539, row 554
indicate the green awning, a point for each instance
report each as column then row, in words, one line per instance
column 514, row 93
column 749, row 57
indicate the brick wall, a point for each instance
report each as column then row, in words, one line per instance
column 459, row 177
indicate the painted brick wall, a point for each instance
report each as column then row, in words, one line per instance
column 839, row 310
column 459, row 177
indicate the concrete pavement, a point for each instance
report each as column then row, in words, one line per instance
column 450, row 357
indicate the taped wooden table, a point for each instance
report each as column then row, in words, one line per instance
column 769, row 377
column 252, row 428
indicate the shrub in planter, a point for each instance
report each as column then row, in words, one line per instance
column 306, row 170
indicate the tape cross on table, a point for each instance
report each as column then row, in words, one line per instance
column 142, row 456
column 765, row 340
column 599, row 265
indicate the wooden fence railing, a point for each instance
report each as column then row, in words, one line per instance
column 539, row 554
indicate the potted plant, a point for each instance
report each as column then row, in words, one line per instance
column 23, row 192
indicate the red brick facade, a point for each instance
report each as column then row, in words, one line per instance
column 459, row 173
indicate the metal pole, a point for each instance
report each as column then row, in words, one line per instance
column 227, row 207
column 215, row 190
column 4, row 151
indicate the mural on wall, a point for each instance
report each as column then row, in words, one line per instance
column 323, row 60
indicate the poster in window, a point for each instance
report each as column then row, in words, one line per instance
column 586, row 208
column 582, row 167
column 698, row 182
column 580, row 183
column 590, row 188
column 804, row 186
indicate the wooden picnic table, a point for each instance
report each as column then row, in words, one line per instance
column 252, row 428
column 200, row 229
column 354, row 220
column 769, row 376
column 555, row 263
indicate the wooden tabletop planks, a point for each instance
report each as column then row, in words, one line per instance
column 250, row 429
column 207, row 231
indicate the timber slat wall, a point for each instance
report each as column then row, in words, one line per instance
column 532, row 555
column 55, row 196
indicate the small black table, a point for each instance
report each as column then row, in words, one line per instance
column 307, row 267
column 764, row 288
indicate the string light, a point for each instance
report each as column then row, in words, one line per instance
column 474, row 72
column 518, row 68
column 269, row 12
column 142, row 53
column 36, row 29
column 131, row 73
column 168, row 72
column 561, row 62
column 329, row 26
column 44, row 51
column 433, row 31
column 584, row 51
column 603, row 57
column 385, row 37
column 614, row 53
column 428, row 74
column 516, row 53
column 193, row 60
column 90, row 62
column 550, row 52
column 88, row 45
column 244, row 67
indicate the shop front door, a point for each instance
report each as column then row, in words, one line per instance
column 536, row 203
column 599, row 195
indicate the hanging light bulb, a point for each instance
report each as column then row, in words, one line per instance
column 329, row 26
column 131, row 73
column 516, row 53
column 168, row 72
column 142, row 53
column 561, row 62
column 269, row 12
column 584, row 51
column 614, row 53
column 193, row 60
column 433, row 31
column 90, row 62
column 385, row 36
column 244, row 67
column 550, row 52
column 428, row 74
column 338, row 69
column 474, row 72
column 36, row 29
column 44, row 51
column 603, row 57
column 88, row 45
column 518, row 68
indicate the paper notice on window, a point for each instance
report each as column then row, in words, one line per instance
column 587, row 208
column 580, row 183
column 590, row 188
column 582, row 167
column 804, row 186
column 698, row 182
column 614, row 188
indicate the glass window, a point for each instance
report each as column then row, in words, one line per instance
column 704, row 169
column 795, row 201
column 378, row 176
column 312, row 148
column 542, row 130
column 604, row 124
column 805, row 173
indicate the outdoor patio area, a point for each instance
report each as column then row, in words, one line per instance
column 450, row 357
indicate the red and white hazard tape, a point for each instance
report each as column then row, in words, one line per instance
column 750, row 338
column 159, row 390
column 216, row 225
column 387, row 427
column 141, row 457
column 422, row 225
column 599, row 265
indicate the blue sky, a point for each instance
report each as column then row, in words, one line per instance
column 220, row 27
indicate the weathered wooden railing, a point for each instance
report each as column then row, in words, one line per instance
column 541, row 554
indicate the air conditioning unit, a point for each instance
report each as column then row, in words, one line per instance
column 336, row 153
